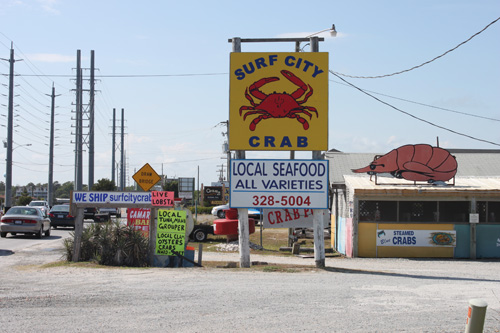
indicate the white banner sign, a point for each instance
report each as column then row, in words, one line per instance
column 279, row 184
column 112, row 197
column 291, row 218
column 446, row 238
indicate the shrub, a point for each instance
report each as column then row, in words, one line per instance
column 201, row 210
column 111, row 244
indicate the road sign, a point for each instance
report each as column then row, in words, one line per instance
column 279, row 184
column 278, row 101
column 146, row 177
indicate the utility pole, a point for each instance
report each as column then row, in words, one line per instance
column 122, row 166
column 10, row 120
column 78, row 127
column 221, row 172
column 113, row 150
column 226, row 147
column 50, row 190
column 91, row 121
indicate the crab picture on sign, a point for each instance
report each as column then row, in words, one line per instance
column 279, row 101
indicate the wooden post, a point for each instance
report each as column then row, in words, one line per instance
column 472, row 228
column 318, row 219
column 77, row 241
column 244, row 238
column 152, row 235
column 244, row 235
column 319, row 238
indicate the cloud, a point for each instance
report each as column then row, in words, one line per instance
column 48, row 6
column 51, row 57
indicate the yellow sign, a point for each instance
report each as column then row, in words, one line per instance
column 278, row 101
column 146, row 177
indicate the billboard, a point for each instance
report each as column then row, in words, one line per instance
column 212, row 193
column 279, row 184
column 278, row 101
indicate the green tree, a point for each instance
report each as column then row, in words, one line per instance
column 172, row 186
column 64, row 190
column 104, row 184
column 24, row 199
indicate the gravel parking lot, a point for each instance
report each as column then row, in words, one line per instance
column 350, row 295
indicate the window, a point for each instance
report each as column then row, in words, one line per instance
column 378, row 211
column 481, row 210
column 418, row 211
column 454, row 211
column 489, row 211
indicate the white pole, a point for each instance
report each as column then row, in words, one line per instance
column 475, row 316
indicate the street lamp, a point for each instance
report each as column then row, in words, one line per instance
column 332, row 30
column 333, row 33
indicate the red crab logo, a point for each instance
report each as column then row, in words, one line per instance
column 278, row 105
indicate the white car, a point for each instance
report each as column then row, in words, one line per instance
column 42, row 204
column 219, row 211
column 25, row 220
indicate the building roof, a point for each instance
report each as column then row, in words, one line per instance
column 361, row 185
column 471, row 163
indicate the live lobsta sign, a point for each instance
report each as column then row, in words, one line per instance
column 278, row 101
column 279, row 184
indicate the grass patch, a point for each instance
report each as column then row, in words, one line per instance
column 272, row 241
column 207, row 265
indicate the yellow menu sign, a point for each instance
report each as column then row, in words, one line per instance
column 171, row 232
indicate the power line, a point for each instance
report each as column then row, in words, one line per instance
column 423, row 104
column 423, row 64
column 123, row 75
column 413, row 116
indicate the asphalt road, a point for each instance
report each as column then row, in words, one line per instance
column 21, row 241
column 350, row 295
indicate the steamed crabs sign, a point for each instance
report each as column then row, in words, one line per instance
column 279, row 101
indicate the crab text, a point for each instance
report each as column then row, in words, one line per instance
column 271, row 141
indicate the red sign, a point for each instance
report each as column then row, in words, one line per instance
column 162, row 198
column 139, row 218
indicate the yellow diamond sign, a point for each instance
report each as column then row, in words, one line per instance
column 146, row 177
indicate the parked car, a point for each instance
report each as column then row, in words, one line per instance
column 219, row 211
column 89, row 213
column 110, row 211
column 60, row 217
column 25, row 220
column 44, row 205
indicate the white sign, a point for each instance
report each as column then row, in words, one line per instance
column 473, row 218
column 291, row 218
column 112, row 197
column 441, row 238
column 279, row 184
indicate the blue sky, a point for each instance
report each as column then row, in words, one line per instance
column 172, row 121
